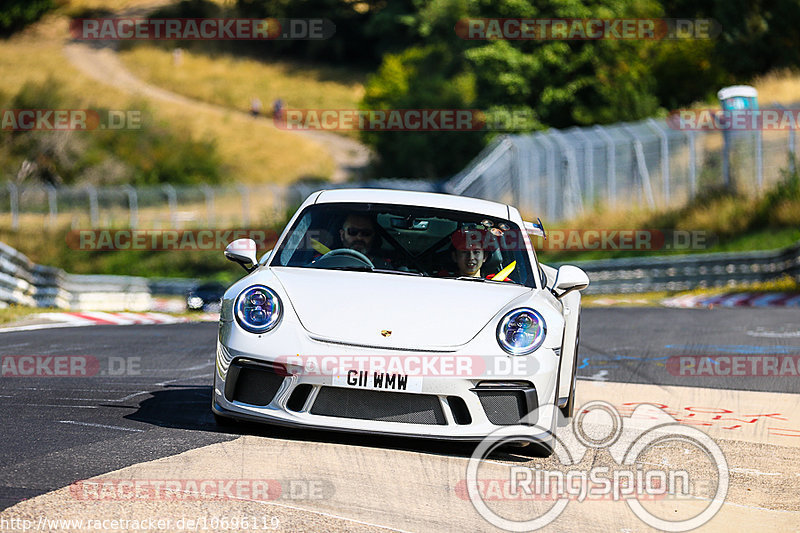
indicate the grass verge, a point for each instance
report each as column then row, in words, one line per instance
column 15, row 313
column 252, row 151
column 232, row 82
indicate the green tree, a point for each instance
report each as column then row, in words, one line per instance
column 561, row 83
column 16, row 14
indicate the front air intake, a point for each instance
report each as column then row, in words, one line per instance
column 506, row 403
column 252, row 382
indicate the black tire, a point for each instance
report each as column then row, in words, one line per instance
column 539, row 449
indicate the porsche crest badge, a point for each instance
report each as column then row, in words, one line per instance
column 386, row 332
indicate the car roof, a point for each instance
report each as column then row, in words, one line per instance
column 423, row 199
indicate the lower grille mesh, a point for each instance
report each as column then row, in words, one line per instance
column 254, row 386
column 503, row 408
column 378, row 405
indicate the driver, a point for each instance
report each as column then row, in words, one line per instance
column 358, row 233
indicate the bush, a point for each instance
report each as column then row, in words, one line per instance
column 780, row 206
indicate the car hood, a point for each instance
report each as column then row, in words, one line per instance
column 421, row 313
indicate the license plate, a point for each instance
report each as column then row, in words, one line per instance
column 363, row 379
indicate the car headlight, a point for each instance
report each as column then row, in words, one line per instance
column 258, row 309
column 521, row 332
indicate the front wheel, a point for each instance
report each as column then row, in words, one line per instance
column 539, row 449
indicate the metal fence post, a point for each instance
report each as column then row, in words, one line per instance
column 692, row 163
column 641, row 167
column 553, row 182
column 133, row 206
column 575, row 196
column 791, row 144
column 588, row 163
column 527, row 159
column 13, row 194
column 52, row 204
column 172, row 200
column 664, row 157
column 759, row 161
column 94, row 215
column 611, row 159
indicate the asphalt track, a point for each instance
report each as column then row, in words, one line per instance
column 150, row 400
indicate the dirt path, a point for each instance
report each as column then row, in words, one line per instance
column 100, row 62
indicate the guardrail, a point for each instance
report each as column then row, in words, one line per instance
column 23, row 282
column 687, row 272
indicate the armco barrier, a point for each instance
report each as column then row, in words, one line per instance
column 686, row 272
column 107, row 293
column 24, row 283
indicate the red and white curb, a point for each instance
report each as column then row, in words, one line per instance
column 741, row 299
column 99, row 318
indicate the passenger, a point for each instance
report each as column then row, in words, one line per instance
column 468, row 252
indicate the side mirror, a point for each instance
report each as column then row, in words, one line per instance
column 569, row 278
column 243, row 251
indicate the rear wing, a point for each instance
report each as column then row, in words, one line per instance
column 535, row 228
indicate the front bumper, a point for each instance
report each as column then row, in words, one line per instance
column 259, row 387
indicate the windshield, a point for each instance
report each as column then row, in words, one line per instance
column 407, row 240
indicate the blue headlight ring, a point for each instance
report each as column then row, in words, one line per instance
column 502, row 328
column 273, row 319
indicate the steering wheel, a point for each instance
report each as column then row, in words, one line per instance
column 344, row 252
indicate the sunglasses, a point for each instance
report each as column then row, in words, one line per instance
column 355, row 232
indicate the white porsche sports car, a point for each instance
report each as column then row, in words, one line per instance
column 399, row 313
